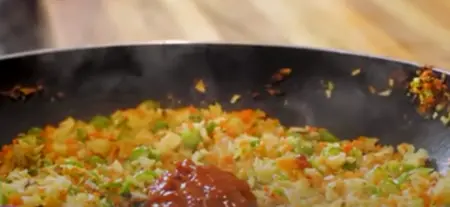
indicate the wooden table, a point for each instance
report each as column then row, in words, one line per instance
column 416, row 30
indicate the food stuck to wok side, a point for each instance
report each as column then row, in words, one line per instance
column 432, row 95
column 114, row 160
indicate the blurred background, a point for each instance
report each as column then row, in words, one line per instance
column 414, row 30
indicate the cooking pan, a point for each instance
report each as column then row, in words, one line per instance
column 84, row 82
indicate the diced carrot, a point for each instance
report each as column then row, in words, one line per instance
column 227, row 159
column 192, row 109
column 228, row 130
column 72, row 149
column 321, row 146
column 190, row 125
column 312, row 129
column 251, row 130
column 426, row 85
column 287, row 164
column 347, row 147
column 426, row 199
column 246, row 115
column 116, row 200
column 15, row 199
column 140, row 112
column 71, row 141
column 63, row 195
column 72, row 146
column 48, row 147
column 48, row 130
column 113, row 153
column 211, row 158
column 286, row 148
column 438, row 200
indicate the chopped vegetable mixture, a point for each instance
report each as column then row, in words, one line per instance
column 111, row 161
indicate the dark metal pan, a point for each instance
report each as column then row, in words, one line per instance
column 88, row 81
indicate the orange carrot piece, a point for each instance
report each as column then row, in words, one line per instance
column 246, row 115
column 15, row 199
column 347, row 147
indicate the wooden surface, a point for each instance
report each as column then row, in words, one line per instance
column 415, row 30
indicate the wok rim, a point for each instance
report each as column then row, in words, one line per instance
column 44, row 51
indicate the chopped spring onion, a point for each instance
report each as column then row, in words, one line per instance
column 159, row 125
column 34, row 131
column 82, row 134
column 191, row 138
column 100, row 122
column 326, row 136
column 146, row 176
column 96, row 160
column 210, row 127
column 143, row 151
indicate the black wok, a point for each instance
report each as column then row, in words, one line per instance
column 89, row 81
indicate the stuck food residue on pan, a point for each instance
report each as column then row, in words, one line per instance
column 272, row 88
column 329, row 87
column 235, row 98
column 125, row 157
column 431, row 94
column 22, row 92
column 356, row 72
column 200, row 86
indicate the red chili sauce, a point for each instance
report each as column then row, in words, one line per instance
column 190, row 185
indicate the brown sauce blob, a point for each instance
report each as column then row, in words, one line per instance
column 190, row 185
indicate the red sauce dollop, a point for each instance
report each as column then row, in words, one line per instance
column 190, row 185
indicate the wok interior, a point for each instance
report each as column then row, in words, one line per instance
column 86, row 82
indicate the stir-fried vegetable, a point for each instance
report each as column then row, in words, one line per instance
column 110, row 161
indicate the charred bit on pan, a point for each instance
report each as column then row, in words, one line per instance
column 430, row 92
column 22, row 92
column 281, row 75
column 255, row 95
column 372, row 89
column 276, row 78
column 274, row 92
